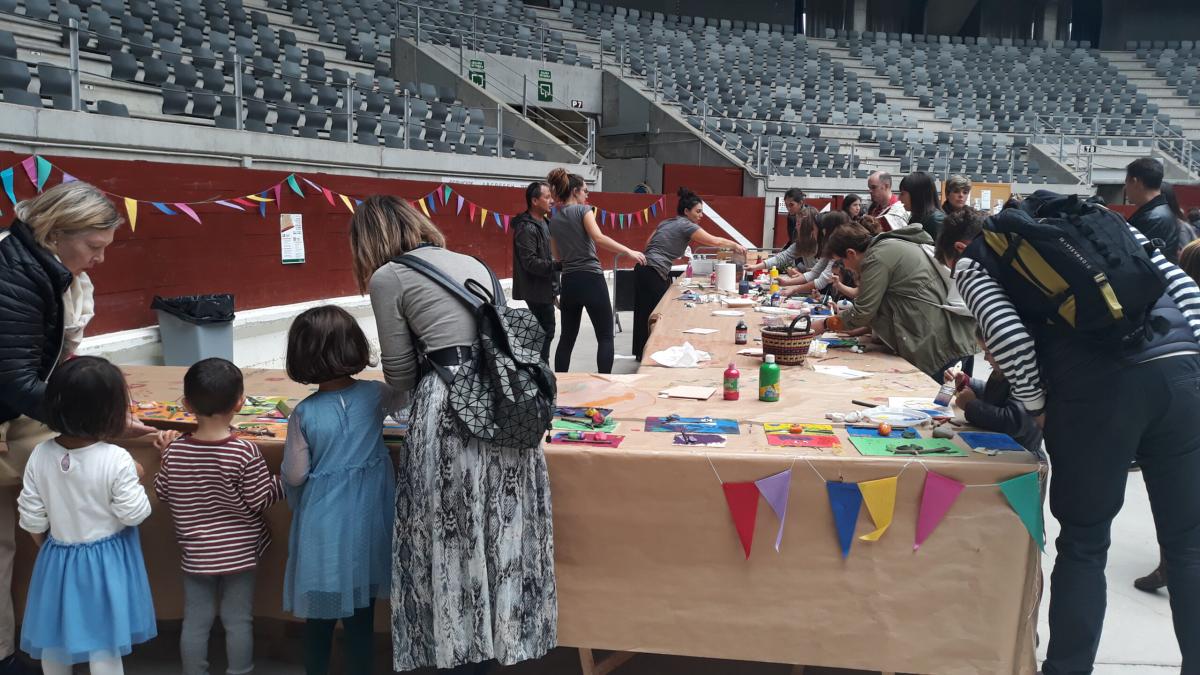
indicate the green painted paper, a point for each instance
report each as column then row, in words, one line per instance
column 883, row 447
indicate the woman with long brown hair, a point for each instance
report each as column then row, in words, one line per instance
column 473, row 553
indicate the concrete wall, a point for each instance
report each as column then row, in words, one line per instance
column 1148, row 20
column 623, row 175
column 413, row 64
column 504, row 81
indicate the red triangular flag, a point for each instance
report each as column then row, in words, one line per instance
column 470, row 212
column 743, row 506
column 328, row 196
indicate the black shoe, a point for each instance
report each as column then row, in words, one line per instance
column 1152, row 582
column 15, row 665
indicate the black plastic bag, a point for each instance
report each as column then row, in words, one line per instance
column 197, row 309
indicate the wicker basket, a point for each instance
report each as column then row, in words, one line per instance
column 789, row 345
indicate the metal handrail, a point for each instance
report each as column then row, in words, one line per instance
column 1167, row 140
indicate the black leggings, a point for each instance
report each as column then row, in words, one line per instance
column 357, row 642
column 648, row 289
column 580, row 291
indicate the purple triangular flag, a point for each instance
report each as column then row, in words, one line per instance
column 775, row 490
column 460, row 205
column 68, row 178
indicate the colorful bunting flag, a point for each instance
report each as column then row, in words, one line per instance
column 483, row 218
column 421, row 203
column 471, row 211
column 164, row 208
column 262, row 204
column 188, row 210
column 939, row 495
column 244, row 202
column 68, row 178
column 775, row 490
column 507, row 220
column 346, row 201
column 846, row 501
column 460, row 205
column 278, row 190
column 445, row 194
column 328, row 196
column 880, row 497
column 30, row 166
column 654, row 209
column 43, row 171
column 496, row 217
column 742, row 499
column 6, row 176
column 645, row 215
column 1024, row 495
column 291, row 181
column 229, row 205
column 131, row 210
column 257, row 198
column 432, row 204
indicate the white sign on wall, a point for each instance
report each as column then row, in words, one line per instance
column 291, row 238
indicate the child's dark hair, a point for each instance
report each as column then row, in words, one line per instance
column 962, row 225
column 326, row 343
column 213, row 387
column 687, row 201
column 87, row 397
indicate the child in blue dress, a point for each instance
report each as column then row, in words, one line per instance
column 89, row 598
column 341, row 486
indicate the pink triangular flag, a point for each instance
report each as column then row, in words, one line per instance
column 743, row 506
column 775, row 490
column 188, row 210
column 30, row 165
column 328, row 196
column 940, row 494
column 279, row 196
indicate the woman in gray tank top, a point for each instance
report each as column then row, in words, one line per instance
column 668, row 242
column 574, row 235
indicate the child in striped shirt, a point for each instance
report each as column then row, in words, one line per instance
column 217, row 487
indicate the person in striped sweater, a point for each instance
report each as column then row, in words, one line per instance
column 217, row 487
column 1102, row 407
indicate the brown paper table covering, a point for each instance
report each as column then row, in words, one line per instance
column 648, row 559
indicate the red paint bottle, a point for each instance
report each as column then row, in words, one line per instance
column 731, row 383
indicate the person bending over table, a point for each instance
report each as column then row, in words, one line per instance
column 802, row 252
column 668, row 242
column 901, row 296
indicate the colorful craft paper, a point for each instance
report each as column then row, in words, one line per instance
column 885, row 447
column 873, row 432
column 846, row 501
column 803, row 441
column 990, row 441
column 699, row 440
column 1024, row 495
column 611, row 441
column 742, row 499
column 571, row 425
column 786, row 428
column 775, row 490
column 939, row 495
column 880, row 497
column 692, row 424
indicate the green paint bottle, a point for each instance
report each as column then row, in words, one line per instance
column 768, row 379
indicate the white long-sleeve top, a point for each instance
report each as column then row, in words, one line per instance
column 81, row 495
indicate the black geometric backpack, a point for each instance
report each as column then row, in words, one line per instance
column 505, row 394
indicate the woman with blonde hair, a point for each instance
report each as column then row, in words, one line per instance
column 45, row 303
column 473, row 552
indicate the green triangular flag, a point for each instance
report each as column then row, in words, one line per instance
column 43, row 172
column 446, row 194
column 291, row 181
column 1024, row 495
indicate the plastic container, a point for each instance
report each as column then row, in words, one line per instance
column 768, row 380
column 730, row 383
column 195, row 327
column 741, row 333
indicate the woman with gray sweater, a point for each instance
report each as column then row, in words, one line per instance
column 483, row 589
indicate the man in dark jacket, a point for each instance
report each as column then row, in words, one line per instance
column 1154, row 218
column 535, row 272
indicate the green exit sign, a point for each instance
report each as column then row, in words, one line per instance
column 477, row 64
column 543, row 74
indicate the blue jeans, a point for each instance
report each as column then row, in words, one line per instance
column 1096, row 424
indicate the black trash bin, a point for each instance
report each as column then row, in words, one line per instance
column 195, row 327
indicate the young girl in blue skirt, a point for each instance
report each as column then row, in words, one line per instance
column 89, row 599
column 341, row 486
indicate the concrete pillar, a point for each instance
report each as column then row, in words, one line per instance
column 860, row 15
column 1050, row 20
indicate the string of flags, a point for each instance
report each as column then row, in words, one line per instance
column 1023, row 493
column 38, row 169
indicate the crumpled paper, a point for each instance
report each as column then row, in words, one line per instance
column 680, row 356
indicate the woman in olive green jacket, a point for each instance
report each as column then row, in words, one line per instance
column 902, row 296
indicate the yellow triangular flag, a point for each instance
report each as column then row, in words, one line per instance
column 880, row 496
column 646, row 215
column 349, row 204
column 256, row 198
column 483, row 218
column 131, row 209
column 424, row 209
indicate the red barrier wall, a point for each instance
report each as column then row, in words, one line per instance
column 1188, row 196
column 703, row 180
column 239, row 252
column 781, row 233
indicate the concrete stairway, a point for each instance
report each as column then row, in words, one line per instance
column 1158, row 92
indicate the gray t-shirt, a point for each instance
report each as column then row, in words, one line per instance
column 668, row 242
column 576, row 249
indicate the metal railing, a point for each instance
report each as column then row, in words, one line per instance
column 342, row 117
column 1098, row 130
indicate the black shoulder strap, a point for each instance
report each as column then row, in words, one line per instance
column 497, row 289
column 430, row 271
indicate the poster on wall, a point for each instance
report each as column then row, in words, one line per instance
column 291, row 238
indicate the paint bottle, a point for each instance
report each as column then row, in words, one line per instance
column 774, row 280
column 744, row 287
column 688, row 272
column 741, row 333
column 768, row 380
column 731, row 382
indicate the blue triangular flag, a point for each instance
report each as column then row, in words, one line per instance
column 845, row 499
column 7, row 176
column 164, row 208
column 429, row 198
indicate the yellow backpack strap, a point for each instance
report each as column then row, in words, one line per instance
column 1032, row 267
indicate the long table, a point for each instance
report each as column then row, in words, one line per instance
column 648, row 559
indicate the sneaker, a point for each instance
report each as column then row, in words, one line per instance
column 15, row 665
column 1152, row 582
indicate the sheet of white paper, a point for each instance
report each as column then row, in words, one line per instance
column 727, row 312
column 841, row 371
column 702, row 331
column 680, row 356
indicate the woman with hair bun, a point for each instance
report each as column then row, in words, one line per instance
column 575, row 235
column 668, row 242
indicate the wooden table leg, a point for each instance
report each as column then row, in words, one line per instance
column 589, row 666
